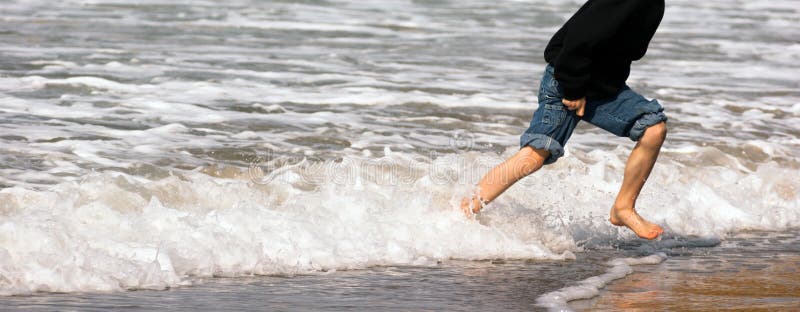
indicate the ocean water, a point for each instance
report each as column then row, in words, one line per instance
column 156, row 145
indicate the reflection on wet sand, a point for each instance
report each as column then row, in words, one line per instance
column 738, row 283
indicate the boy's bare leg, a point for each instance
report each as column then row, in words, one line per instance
column 501, row 177
column 637, row 169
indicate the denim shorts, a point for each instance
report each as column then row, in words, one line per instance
column 627, row 114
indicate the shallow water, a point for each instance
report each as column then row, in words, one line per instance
column 147, row 145
column 452, row 286
column 696, row 276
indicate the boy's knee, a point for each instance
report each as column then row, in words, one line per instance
column 531, row 159
column 655, row 134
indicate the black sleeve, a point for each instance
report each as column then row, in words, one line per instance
column 598, row 21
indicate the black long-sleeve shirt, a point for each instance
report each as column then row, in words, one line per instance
column 593, row 51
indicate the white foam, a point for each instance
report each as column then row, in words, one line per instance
column 112, row 231
column 590, row 287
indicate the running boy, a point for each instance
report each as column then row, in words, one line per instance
column 589, row 60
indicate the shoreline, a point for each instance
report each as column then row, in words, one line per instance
column 747, row 271
column 740, row 275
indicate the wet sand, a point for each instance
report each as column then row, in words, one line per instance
column 732, row 278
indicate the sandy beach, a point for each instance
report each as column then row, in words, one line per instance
column 763, row 278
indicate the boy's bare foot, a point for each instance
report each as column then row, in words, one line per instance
column 470, row 209
column 635, row 222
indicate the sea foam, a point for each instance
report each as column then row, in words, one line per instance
column 590, row 287
column 113, row 231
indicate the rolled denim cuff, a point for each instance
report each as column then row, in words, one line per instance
column 541, row 141
column 644, row 122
